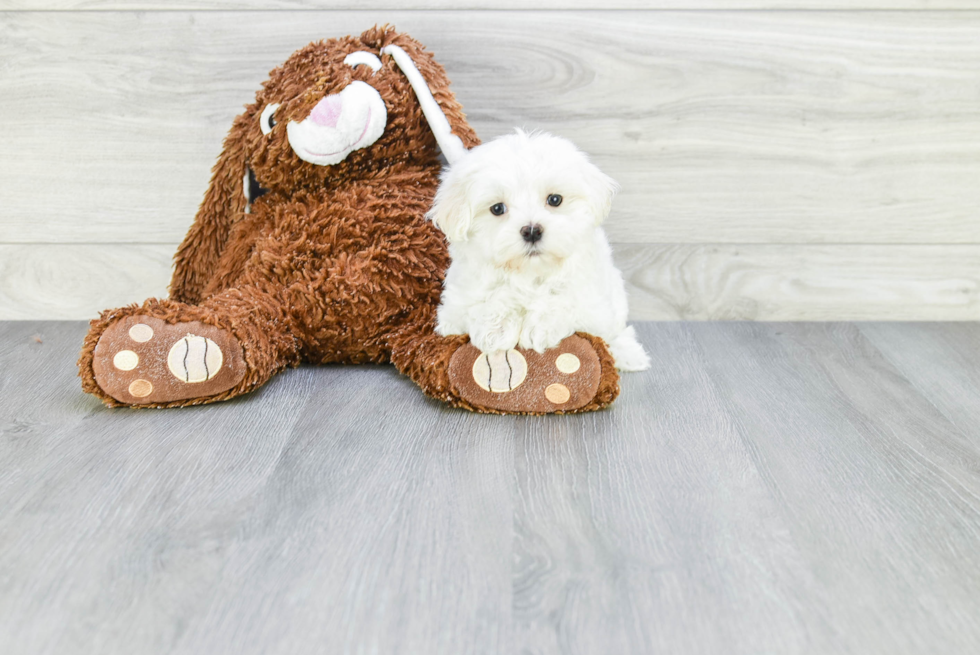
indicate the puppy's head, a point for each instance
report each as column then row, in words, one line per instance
column 523, row 201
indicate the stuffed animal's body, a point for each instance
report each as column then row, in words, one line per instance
column 312, row 245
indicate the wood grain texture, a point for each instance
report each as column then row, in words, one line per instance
column 788, row 282
column 181, row 515
column 631, row 520
column 783, row 488
column 941, row 361
column 753, row 127
column 855, row 457
column 553, row 5
column 664, row 282
column 77, row 281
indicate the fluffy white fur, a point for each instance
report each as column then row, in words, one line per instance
column 505, row 292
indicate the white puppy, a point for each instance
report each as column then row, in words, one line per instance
column 530, row 264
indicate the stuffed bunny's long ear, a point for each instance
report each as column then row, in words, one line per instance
column 450, row 144
column 224, row 203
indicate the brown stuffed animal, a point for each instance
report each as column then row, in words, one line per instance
column 311, row 245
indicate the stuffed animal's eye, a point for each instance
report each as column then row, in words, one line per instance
column 554, row 200
column 268, row 119
column 499, row 209
column 355, row 59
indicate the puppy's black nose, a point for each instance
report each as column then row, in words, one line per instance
column 532, row 233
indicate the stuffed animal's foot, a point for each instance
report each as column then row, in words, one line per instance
column 577, row 375
column 140, row 360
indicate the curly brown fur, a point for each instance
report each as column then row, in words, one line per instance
column 406, row 149
column 608, row 378
column 334, row 263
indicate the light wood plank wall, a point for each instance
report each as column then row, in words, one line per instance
column 780, row 160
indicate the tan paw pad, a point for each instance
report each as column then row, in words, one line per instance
column 500, row 372
column 567, row 363
column 194, row 359
column 126, row 360
column 141, row 388
column 141, row 333
column 557, row 393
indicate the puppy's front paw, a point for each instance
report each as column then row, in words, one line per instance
column 491, row 338
column 540, row 336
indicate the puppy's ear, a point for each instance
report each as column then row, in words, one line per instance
column 600, row 191
column 451, row 211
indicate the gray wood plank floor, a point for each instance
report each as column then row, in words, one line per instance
column 764, row 488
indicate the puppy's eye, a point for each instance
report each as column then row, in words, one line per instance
column 355, row 59
column 499, row 209
column 267, row 120
column 554, row 200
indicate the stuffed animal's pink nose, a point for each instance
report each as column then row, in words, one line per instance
column 327, row 111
